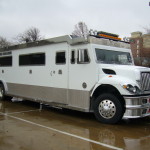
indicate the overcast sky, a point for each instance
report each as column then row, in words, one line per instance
column 58, row 17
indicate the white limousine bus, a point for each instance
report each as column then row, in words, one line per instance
column 96, row 75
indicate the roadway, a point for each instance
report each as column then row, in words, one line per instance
column 24, row 126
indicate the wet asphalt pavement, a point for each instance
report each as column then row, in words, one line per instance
column 23, row 126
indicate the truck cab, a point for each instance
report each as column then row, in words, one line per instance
column 122, row 89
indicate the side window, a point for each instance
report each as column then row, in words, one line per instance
column 60, row 58
column 6, row 61
column 32, row 59
column 86, row 57
column 83, row 56
column 72, row 57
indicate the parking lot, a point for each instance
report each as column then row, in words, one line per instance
column 24, row 126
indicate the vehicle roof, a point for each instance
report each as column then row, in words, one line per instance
column 72, row 40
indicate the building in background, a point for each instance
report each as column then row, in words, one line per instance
column 140, row 46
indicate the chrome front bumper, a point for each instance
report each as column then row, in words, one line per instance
column 137, row 107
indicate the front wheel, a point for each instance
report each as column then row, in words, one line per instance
column 2, row 92
column 108, row 109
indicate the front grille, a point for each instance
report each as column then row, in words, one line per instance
column 145, row 81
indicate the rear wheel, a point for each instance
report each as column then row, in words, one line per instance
column 108, row 109
column 2, row 92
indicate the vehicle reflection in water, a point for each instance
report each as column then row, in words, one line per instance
column 125, row 141
column 128, row 134
column 107, row 137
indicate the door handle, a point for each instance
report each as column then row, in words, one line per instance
column 60, row 71
column 51, row 73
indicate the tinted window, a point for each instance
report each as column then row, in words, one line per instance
column 72, row 57
column 60, row 58
column 113, row 57
column 6, row 61
column 32, row 59
column 84, row 56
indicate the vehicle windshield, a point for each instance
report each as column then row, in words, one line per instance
column 113, row 57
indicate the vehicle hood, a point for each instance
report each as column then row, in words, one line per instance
column 127, row 71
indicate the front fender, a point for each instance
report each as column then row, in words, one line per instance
column 116, row 81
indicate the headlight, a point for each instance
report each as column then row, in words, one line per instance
column 132, row 89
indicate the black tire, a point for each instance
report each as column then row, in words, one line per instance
column 2, row 92
column 108, row 109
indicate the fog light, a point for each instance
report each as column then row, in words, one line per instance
column 144, row 111
column 144, row 101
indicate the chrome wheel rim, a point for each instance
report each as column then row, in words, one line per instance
column 107, row 109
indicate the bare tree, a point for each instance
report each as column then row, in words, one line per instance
column 147, row 29
column 81, row 30
column 30, row 35
column 4, row 42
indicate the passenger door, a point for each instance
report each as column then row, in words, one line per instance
column 59, row 74
column 82, row 77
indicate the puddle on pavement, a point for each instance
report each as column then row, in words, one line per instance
column 16, row 134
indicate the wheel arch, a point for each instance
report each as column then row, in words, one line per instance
column 106, row 88
column 4, row 85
